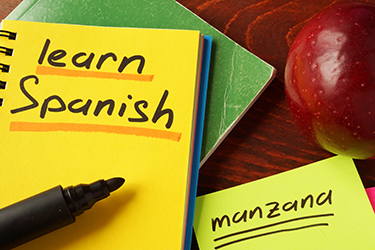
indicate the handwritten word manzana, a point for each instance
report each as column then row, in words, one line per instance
column 271, row 210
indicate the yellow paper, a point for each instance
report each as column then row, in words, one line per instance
column 84, row 103
column 319, row 206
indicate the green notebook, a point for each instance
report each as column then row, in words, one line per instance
column 237, row 77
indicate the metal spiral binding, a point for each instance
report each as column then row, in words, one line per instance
column 8, row 52
column 10, row 35
column 3, row 84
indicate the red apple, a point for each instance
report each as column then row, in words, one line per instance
column 330, row 79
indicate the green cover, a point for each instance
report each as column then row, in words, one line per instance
column 237, row 77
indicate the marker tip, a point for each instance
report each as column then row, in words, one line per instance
column 114, row 183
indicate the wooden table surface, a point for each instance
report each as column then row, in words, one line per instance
column 265, row 142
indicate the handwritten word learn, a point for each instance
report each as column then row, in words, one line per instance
column 55, row 103
column 272, row 209
column 81, row 59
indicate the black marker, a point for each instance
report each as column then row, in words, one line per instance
column 45, row 212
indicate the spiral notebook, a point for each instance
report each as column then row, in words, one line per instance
column 81, row 103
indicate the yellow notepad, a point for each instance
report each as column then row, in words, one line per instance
column 319, row 206
column 81, row 103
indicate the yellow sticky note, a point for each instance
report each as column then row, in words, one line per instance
column 319, row 206
column 84, row 103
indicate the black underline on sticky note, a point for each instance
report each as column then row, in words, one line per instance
column 269, row 233
column 273, row 224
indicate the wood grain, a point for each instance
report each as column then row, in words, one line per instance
column 6, row 6
column 267, row 28
column 265, row 142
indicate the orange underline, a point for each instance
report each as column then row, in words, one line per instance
column 46, row 70
column 78, row 127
